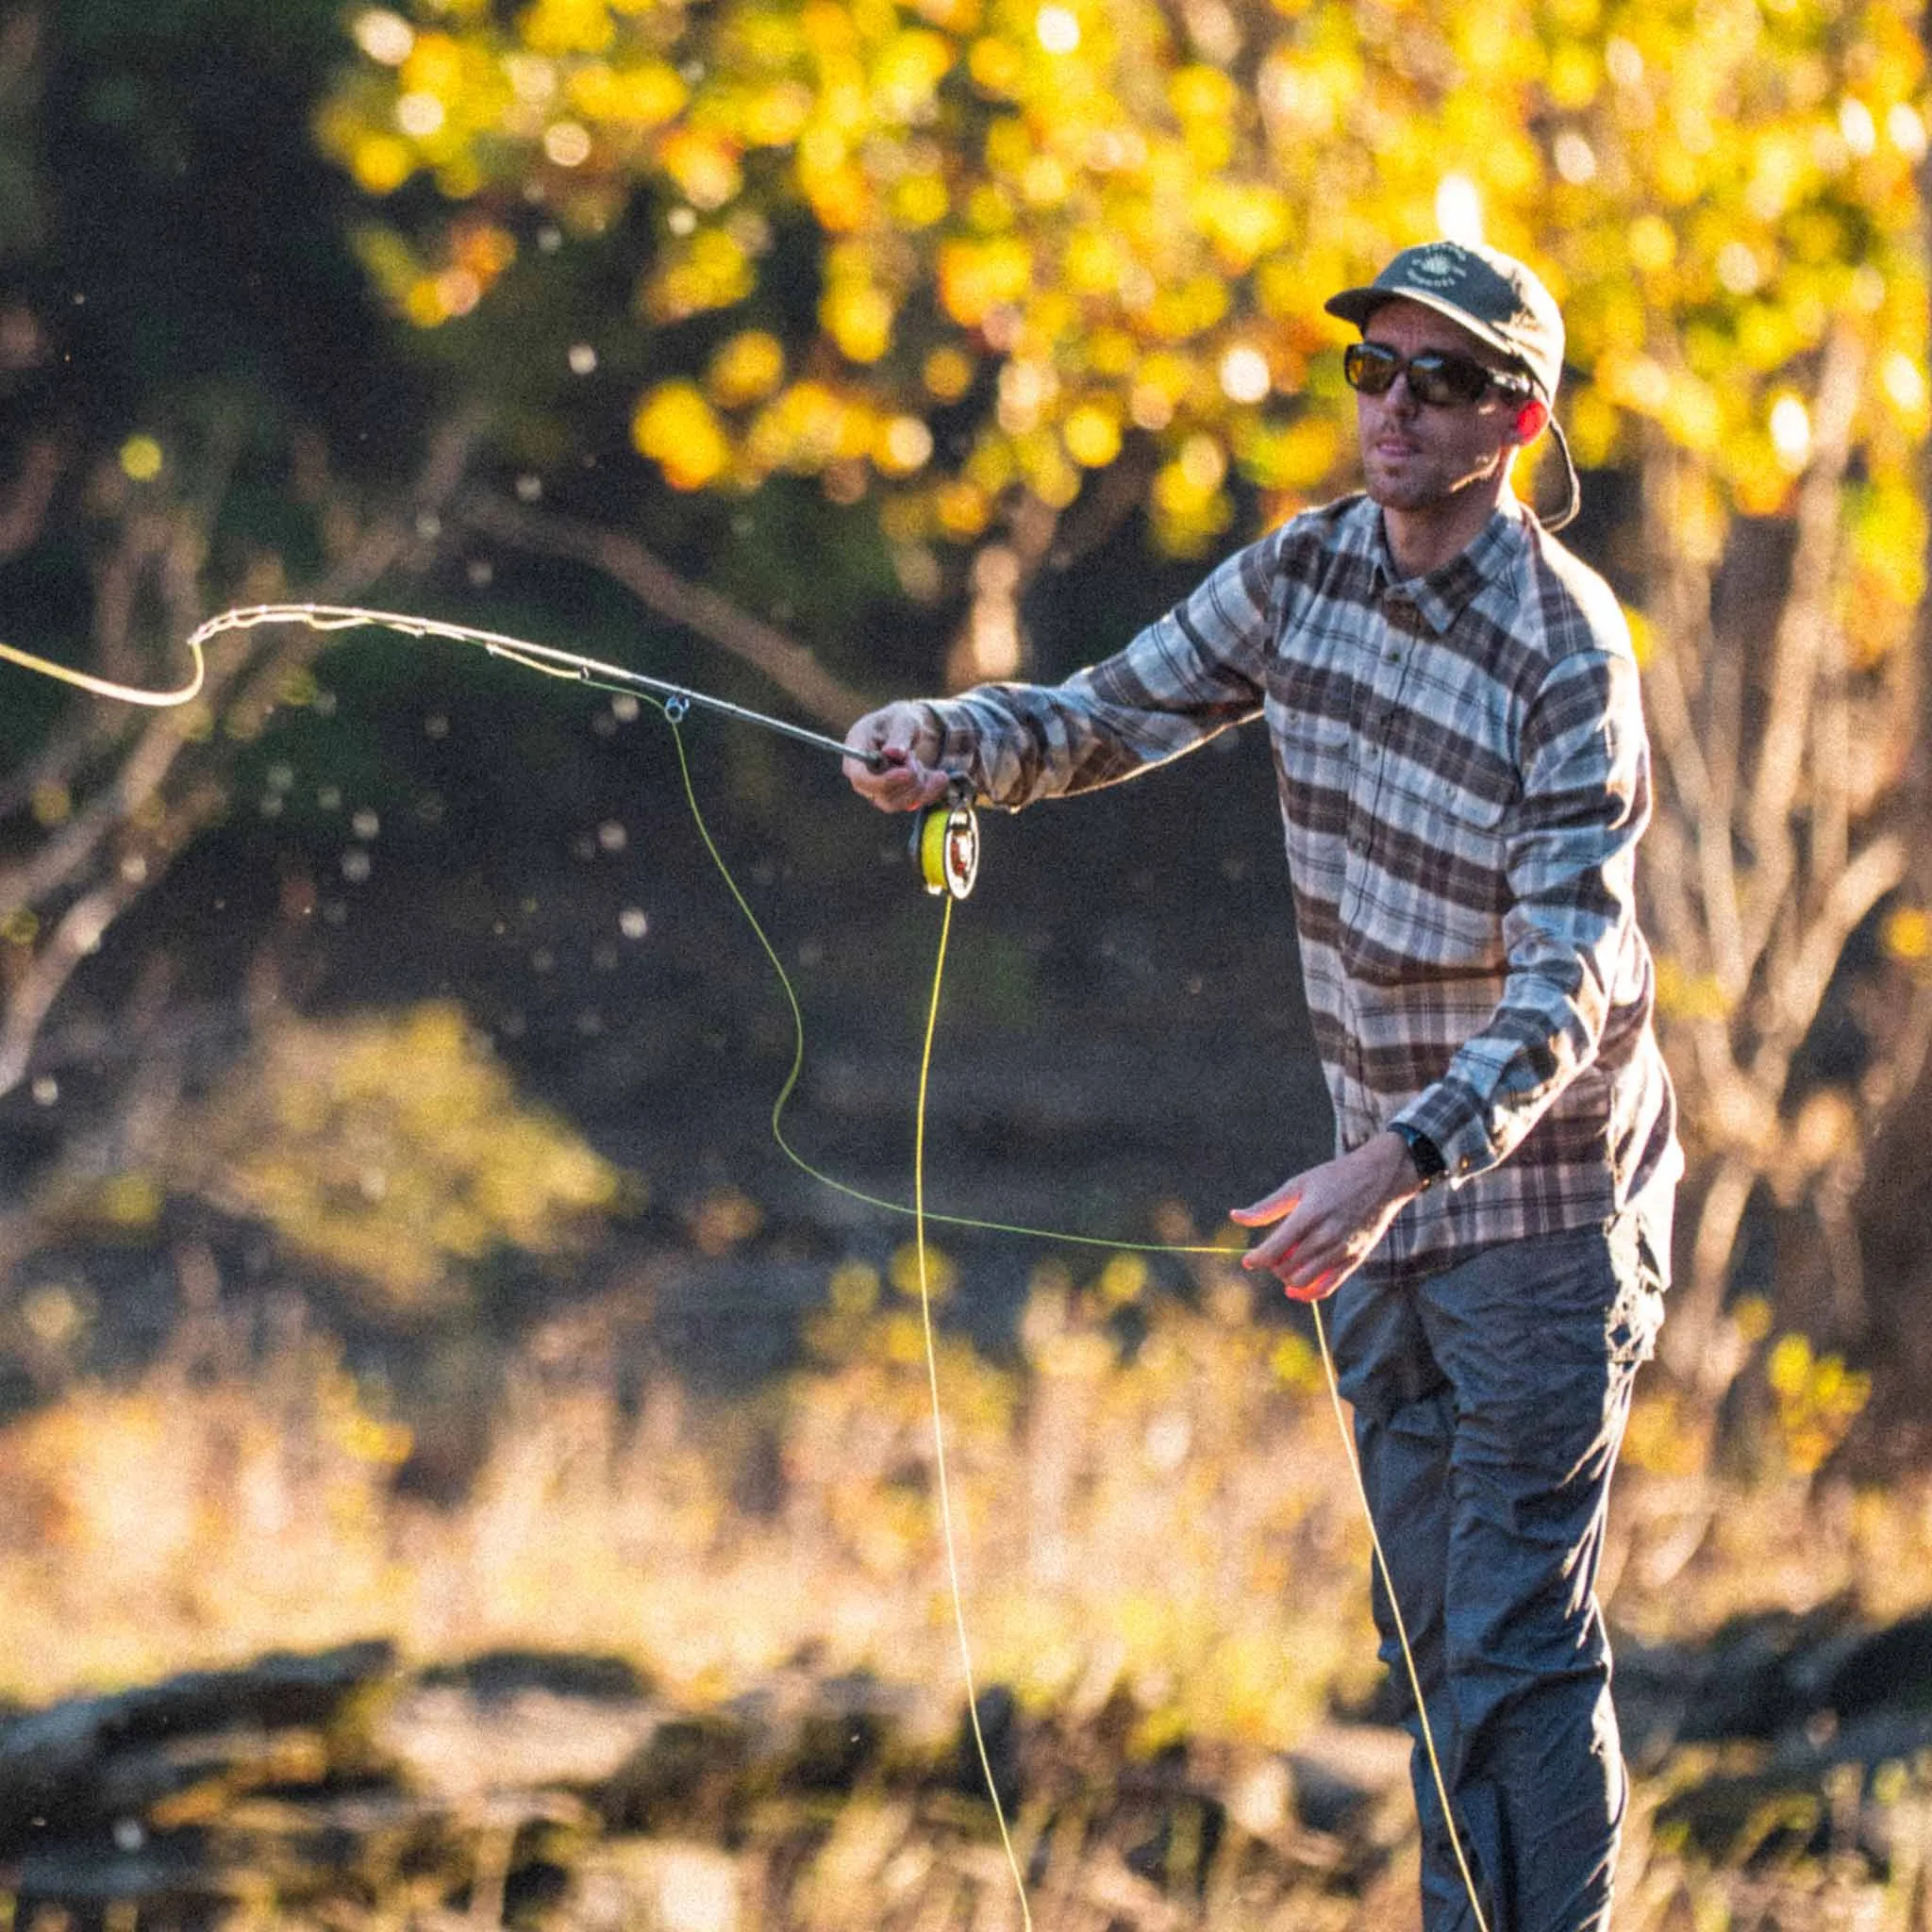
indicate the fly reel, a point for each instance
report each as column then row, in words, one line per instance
column 945, row 844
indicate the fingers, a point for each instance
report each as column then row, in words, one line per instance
column 887, row 766
column 1296, row 1253
column 1306, row 1269
column 1323, row 1284
column 904, row 784
column 1280, row 1253
column 1270, row 1207
column 1324, row 1222
column 894, row 732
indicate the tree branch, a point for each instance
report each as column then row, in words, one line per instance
column 23, row 509
column 1805, row 974
column 786, row 662
column 1790, row 680
column 77, row 882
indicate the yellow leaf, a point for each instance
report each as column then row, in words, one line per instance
column 976, row 277
column 996, row 66
column 710, row 270
column 381, row 163
column 676, row 429
column 948, row 374
column 746, row 369
column 703, row 166
column 904, row 1273
column 920, row 200
column 1573, row 76
column 902, row 446
column 963, row 510
column 1908, row 934
column 568, row 26
column 860, row 320
column 1092, row 436
column 646, row 95
column 1652, row 243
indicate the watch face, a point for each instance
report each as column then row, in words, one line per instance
column 1424, row 1154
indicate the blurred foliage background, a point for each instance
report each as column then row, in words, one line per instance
column 394, row 1238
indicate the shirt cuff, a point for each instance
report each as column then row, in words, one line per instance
column 1452, row 1117
column 959, row 747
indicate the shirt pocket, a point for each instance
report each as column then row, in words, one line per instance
column 1433, row 907
column 1314, row 761
column 1306, row 738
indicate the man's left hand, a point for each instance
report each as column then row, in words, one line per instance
column 1326, row 1222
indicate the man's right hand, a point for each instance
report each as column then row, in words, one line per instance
column 904, row 737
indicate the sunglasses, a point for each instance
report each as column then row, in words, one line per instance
column 1444, row 382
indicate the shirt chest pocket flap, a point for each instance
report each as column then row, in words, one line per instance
column 1439, row 906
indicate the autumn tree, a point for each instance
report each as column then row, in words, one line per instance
column 997, row 274
column 1735, row 210
column 989, row 279
column 173, row 445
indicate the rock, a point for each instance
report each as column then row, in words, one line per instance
column 79, row 1762
column 450, row 1741
column 1351, row 1781
column 1890, row 1669
column 501, row 1672
column 824, row 1733
column 165, row 1871
column 998, row 1712
column 691, row 1774
column 1762, row 1672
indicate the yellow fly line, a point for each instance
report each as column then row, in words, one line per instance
column 674, row 701
column 105, row 687
column 923, row 1218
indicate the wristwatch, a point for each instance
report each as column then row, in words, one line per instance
column 1429, row 1165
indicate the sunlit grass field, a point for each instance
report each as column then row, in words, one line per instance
column 1154, row 1514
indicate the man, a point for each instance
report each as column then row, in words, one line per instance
column 1463, row 775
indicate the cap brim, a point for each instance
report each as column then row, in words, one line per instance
column 1357, row 305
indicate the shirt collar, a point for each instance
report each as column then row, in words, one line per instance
column 1443, row 594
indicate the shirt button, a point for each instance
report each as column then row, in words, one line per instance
column 1358, row 841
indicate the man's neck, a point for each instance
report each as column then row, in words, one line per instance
column 1421, row 541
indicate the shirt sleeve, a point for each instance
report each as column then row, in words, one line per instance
column 1571, row 845
column 1186, row 677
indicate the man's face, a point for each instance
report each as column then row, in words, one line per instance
column 1417, row 457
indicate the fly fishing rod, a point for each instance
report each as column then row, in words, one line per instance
column 945, row 837
column 676, row 699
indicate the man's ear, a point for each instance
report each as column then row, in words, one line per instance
column 1531, row 419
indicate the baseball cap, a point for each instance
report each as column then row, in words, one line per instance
column 1492, row 295
column 1500, row 303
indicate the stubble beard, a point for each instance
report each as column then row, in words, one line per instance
column 1436, row 487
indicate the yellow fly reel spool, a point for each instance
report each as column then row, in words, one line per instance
column 945, row 847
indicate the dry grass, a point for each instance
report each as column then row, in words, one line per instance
column 1168, row 1526
column 1179, row 1527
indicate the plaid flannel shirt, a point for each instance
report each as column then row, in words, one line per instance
column 1463, row 775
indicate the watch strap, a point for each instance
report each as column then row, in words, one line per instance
column 1427, row 1158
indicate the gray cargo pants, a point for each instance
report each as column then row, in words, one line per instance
column 1490, row 1404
